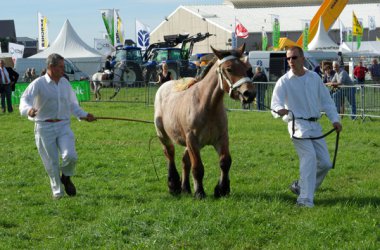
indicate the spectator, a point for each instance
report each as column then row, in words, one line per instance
column 340, row 59
column 43, row 72
column 49, row 101
column 328, row 73
column 359, row 73
column 33, row 74
column 318, row 70
column 374, row 70
column 260, row 77
column 164, row 75
column 302, row 92
column 13, row 75
column 341, row 77
column 8, row 78
column 27, row 75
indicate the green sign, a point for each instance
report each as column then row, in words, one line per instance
column 81, row 88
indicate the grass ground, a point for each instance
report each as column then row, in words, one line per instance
column 121, row 204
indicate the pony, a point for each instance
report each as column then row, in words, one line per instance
column 102, row 79
column 194, row 117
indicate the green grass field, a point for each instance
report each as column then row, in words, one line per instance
column 121, row 205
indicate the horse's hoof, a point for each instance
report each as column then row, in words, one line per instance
column 220, row 191
column 174, row 186
column 200, row 195
column 186, row 191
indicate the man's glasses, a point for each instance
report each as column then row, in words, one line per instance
column 292, row 57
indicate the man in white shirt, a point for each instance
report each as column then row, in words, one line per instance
column 299, row 96
column 50, row 100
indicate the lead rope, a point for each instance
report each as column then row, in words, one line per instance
column 312, row 138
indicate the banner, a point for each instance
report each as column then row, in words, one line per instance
column 108, row 17
column 305, row 33
column 119, row 29
column 371, row 23
column 16, row 50
column 233, row 41
column 43, row 41
column 103, row 46
column 275, row 30
column 349, row 35
column 240, row 30
column 359, row 37
column 143, row 35
column 357, row 28
column 264, row 40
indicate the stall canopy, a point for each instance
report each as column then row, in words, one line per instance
column 322, row 41
column 69, row 45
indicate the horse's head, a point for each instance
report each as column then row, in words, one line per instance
column 232, row 74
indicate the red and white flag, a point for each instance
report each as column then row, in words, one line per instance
column 240, row 30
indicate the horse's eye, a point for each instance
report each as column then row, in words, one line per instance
column 229, row 70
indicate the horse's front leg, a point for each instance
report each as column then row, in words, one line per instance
column 225, row 161
column 186, row 165
column 197, row 168
column 174, row 182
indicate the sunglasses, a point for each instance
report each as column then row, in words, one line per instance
column 292, row 57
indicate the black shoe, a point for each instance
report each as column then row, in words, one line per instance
column 295, row 188
column 69, row 186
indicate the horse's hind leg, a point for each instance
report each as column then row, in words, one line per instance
column 186, row 165
column 197, row 168
column 117, row 89
column 223, row 186
column 174, row 182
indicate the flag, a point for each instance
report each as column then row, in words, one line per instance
column 143, row 35
column 358, row 42
column 264, row 42
column 342, row 29
column 275, row 30
column 349, row 35
column 119, row 29
column 357, row 28
column 377, row 39
column 233, row 40
column 371, row 23
column 108, row 17
column 305, row 33
column 240, row 30
column 43, row 41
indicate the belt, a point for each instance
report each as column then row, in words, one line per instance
column 311, row 119
column 53, row 120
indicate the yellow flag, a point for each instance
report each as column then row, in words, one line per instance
column 357, row 29
column 378, row 39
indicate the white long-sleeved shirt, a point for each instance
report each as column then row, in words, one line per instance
column 52, row 100
column 306, row 96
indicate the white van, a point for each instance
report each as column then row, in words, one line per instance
column 22, row 64
column 274, row 63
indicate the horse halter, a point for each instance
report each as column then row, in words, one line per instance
column 222, row 75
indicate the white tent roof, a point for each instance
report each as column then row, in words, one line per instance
column 69, row 45
column 321, row 40
column 365, row 46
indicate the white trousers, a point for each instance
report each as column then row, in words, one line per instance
column 55, row 140
column 314, row 165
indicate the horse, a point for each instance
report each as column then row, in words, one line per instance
column 195, row 117
column 102, row 79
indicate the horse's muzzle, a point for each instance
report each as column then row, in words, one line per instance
column 248, row 96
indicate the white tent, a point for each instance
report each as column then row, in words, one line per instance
column 322, row 41
column 365, row 46
column 69, row 45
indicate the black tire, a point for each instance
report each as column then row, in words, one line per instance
column 133, row 74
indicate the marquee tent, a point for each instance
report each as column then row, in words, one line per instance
column 322, row 41
column 69, row 45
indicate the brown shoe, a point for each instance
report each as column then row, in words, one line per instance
column 69, row 186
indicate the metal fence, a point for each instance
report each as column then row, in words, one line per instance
column 356, row 101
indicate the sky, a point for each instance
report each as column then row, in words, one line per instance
column 85, row 17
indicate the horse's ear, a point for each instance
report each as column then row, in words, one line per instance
column 218, row 54
column 241, row 49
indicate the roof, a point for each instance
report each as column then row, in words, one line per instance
column 69, row 45
column 7, row 29
column 321, row 40
column 256, row 19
